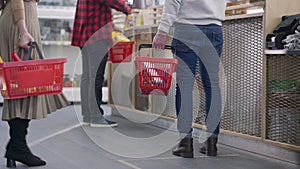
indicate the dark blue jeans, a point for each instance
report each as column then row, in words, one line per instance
column 201, row 44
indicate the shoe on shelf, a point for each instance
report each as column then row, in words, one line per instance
column 102, row 122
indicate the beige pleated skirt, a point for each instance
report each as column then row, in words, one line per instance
column 35, row 107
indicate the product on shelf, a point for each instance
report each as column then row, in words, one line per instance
column 58, row 2
column 119, row 37
column 236, row 11
column 55, row 30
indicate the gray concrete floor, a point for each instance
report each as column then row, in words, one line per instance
column 64, row 143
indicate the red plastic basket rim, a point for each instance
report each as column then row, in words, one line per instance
column 155, row 59
column 123, row 43
column 33, row 62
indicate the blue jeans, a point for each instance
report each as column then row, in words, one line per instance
column 201, row 44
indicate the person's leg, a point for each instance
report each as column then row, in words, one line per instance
column 209, row 71
column 99, row 82
column 84, row 90
column 98, row 91
column 96, row 67
column 206, row 82
column 185, row 77
column 209, row 147
column 206, row 42
column 17, row 149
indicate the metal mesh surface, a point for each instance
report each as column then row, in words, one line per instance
column 283, row 99
column 242, row 61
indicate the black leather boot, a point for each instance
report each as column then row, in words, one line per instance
column 17, row 149
column 184, row 148
column 209, row 147
column 203, row 147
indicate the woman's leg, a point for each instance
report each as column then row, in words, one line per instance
column 17, row 149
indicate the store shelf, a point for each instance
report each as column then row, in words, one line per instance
column 56, row 24
column 246, row 5
column 282, row 52
column 244, row 16
column 293, row 52
column 275, row 52
column 56, row 12
column 63, row 43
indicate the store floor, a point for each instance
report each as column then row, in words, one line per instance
column 65, row 144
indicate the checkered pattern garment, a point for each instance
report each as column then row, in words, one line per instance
column 93, row 20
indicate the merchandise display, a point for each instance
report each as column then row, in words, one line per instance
column 236, row 11
column 56, row 21
column 58, row 2
column 55, row 29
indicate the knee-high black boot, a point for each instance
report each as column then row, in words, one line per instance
column 17, row 149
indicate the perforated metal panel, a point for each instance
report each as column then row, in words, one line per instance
column 283, row 99
column 242, row 60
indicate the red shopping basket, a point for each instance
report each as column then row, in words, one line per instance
column 121, row 52
column 155, row 74
column 32, row 77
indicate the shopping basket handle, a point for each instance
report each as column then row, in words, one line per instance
column 150, row 46
column 32, row 45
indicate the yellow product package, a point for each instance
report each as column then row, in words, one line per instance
column 128, row 22
column 119, row 37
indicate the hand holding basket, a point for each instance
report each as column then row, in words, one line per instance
column 31, row 77
column 155, row 74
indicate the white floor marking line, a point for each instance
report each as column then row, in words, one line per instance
column 175, row 157
column 129, row 164
column 54, row 134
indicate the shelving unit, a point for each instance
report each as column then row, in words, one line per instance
column 282, row 83
column 56, row 21
column 56, row 12
column 56, row 24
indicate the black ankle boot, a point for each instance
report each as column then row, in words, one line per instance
column 25, row 158
column 209, row 147
column 23, row 155
column 17, row 149
column 203, row 147
column 184, row 148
